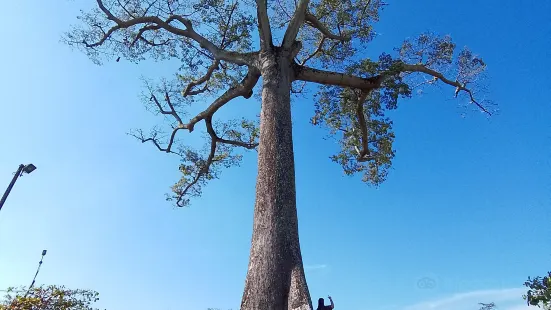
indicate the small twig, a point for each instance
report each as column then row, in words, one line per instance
column 318, row 49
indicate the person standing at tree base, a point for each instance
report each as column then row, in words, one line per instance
column 322, row 306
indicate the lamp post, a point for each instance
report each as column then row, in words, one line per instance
column 37, row 270
column 22, row 169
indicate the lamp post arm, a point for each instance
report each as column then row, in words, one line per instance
column 12, row 183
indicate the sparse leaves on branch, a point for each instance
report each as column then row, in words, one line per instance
column 487, row 306
column 199, row 167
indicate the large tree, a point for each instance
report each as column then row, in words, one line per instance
column 225, row 47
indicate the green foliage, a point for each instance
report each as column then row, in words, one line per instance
column 539, row 291
column 354, row 19
column 211, row 17
column 340, row 117
column 48, row 298
column 226, row 24
column 336, row 107
column 198, row 168
column 212, row 40
column 428, row 49
column 234, row 34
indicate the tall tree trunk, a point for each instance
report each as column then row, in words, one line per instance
column 275, row 277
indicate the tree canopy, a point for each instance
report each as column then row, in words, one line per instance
column 220, row 45
column 539, row 291
column 48, row 298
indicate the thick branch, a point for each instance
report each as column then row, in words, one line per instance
column 264, row 28
column 308, row 74
column 296, row 22
column 304, row 73
column 189, row 32
column 364, row 153
column 244, row 89
column 314, row 22
column 204, row 169
column 246, row 145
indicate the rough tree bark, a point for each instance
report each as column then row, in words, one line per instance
column 275, row 278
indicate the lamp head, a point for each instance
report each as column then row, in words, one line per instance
column 29, row 168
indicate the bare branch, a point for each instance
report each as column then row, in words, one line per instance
column 202, row 80
column 155, row 140
column 172, row 112
column 296, row 22
column 123, row 6
column 264, row 29
column 216, row 138
column 244, row 89
column 155, row 22
column 152, row 43
column 227, row 27
column 300, row 90
column 321, row 51
column 318, row 49
column 308, row 74
column 170, row 105
column 142, row 31
column 314, row 22
column 284, row 10
column 151, row 5
column 248, row 146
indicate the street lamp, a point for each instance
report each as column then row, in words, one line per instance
column 22, row 169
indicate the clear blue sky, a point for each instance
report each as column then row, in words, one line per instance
column 467, row 203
